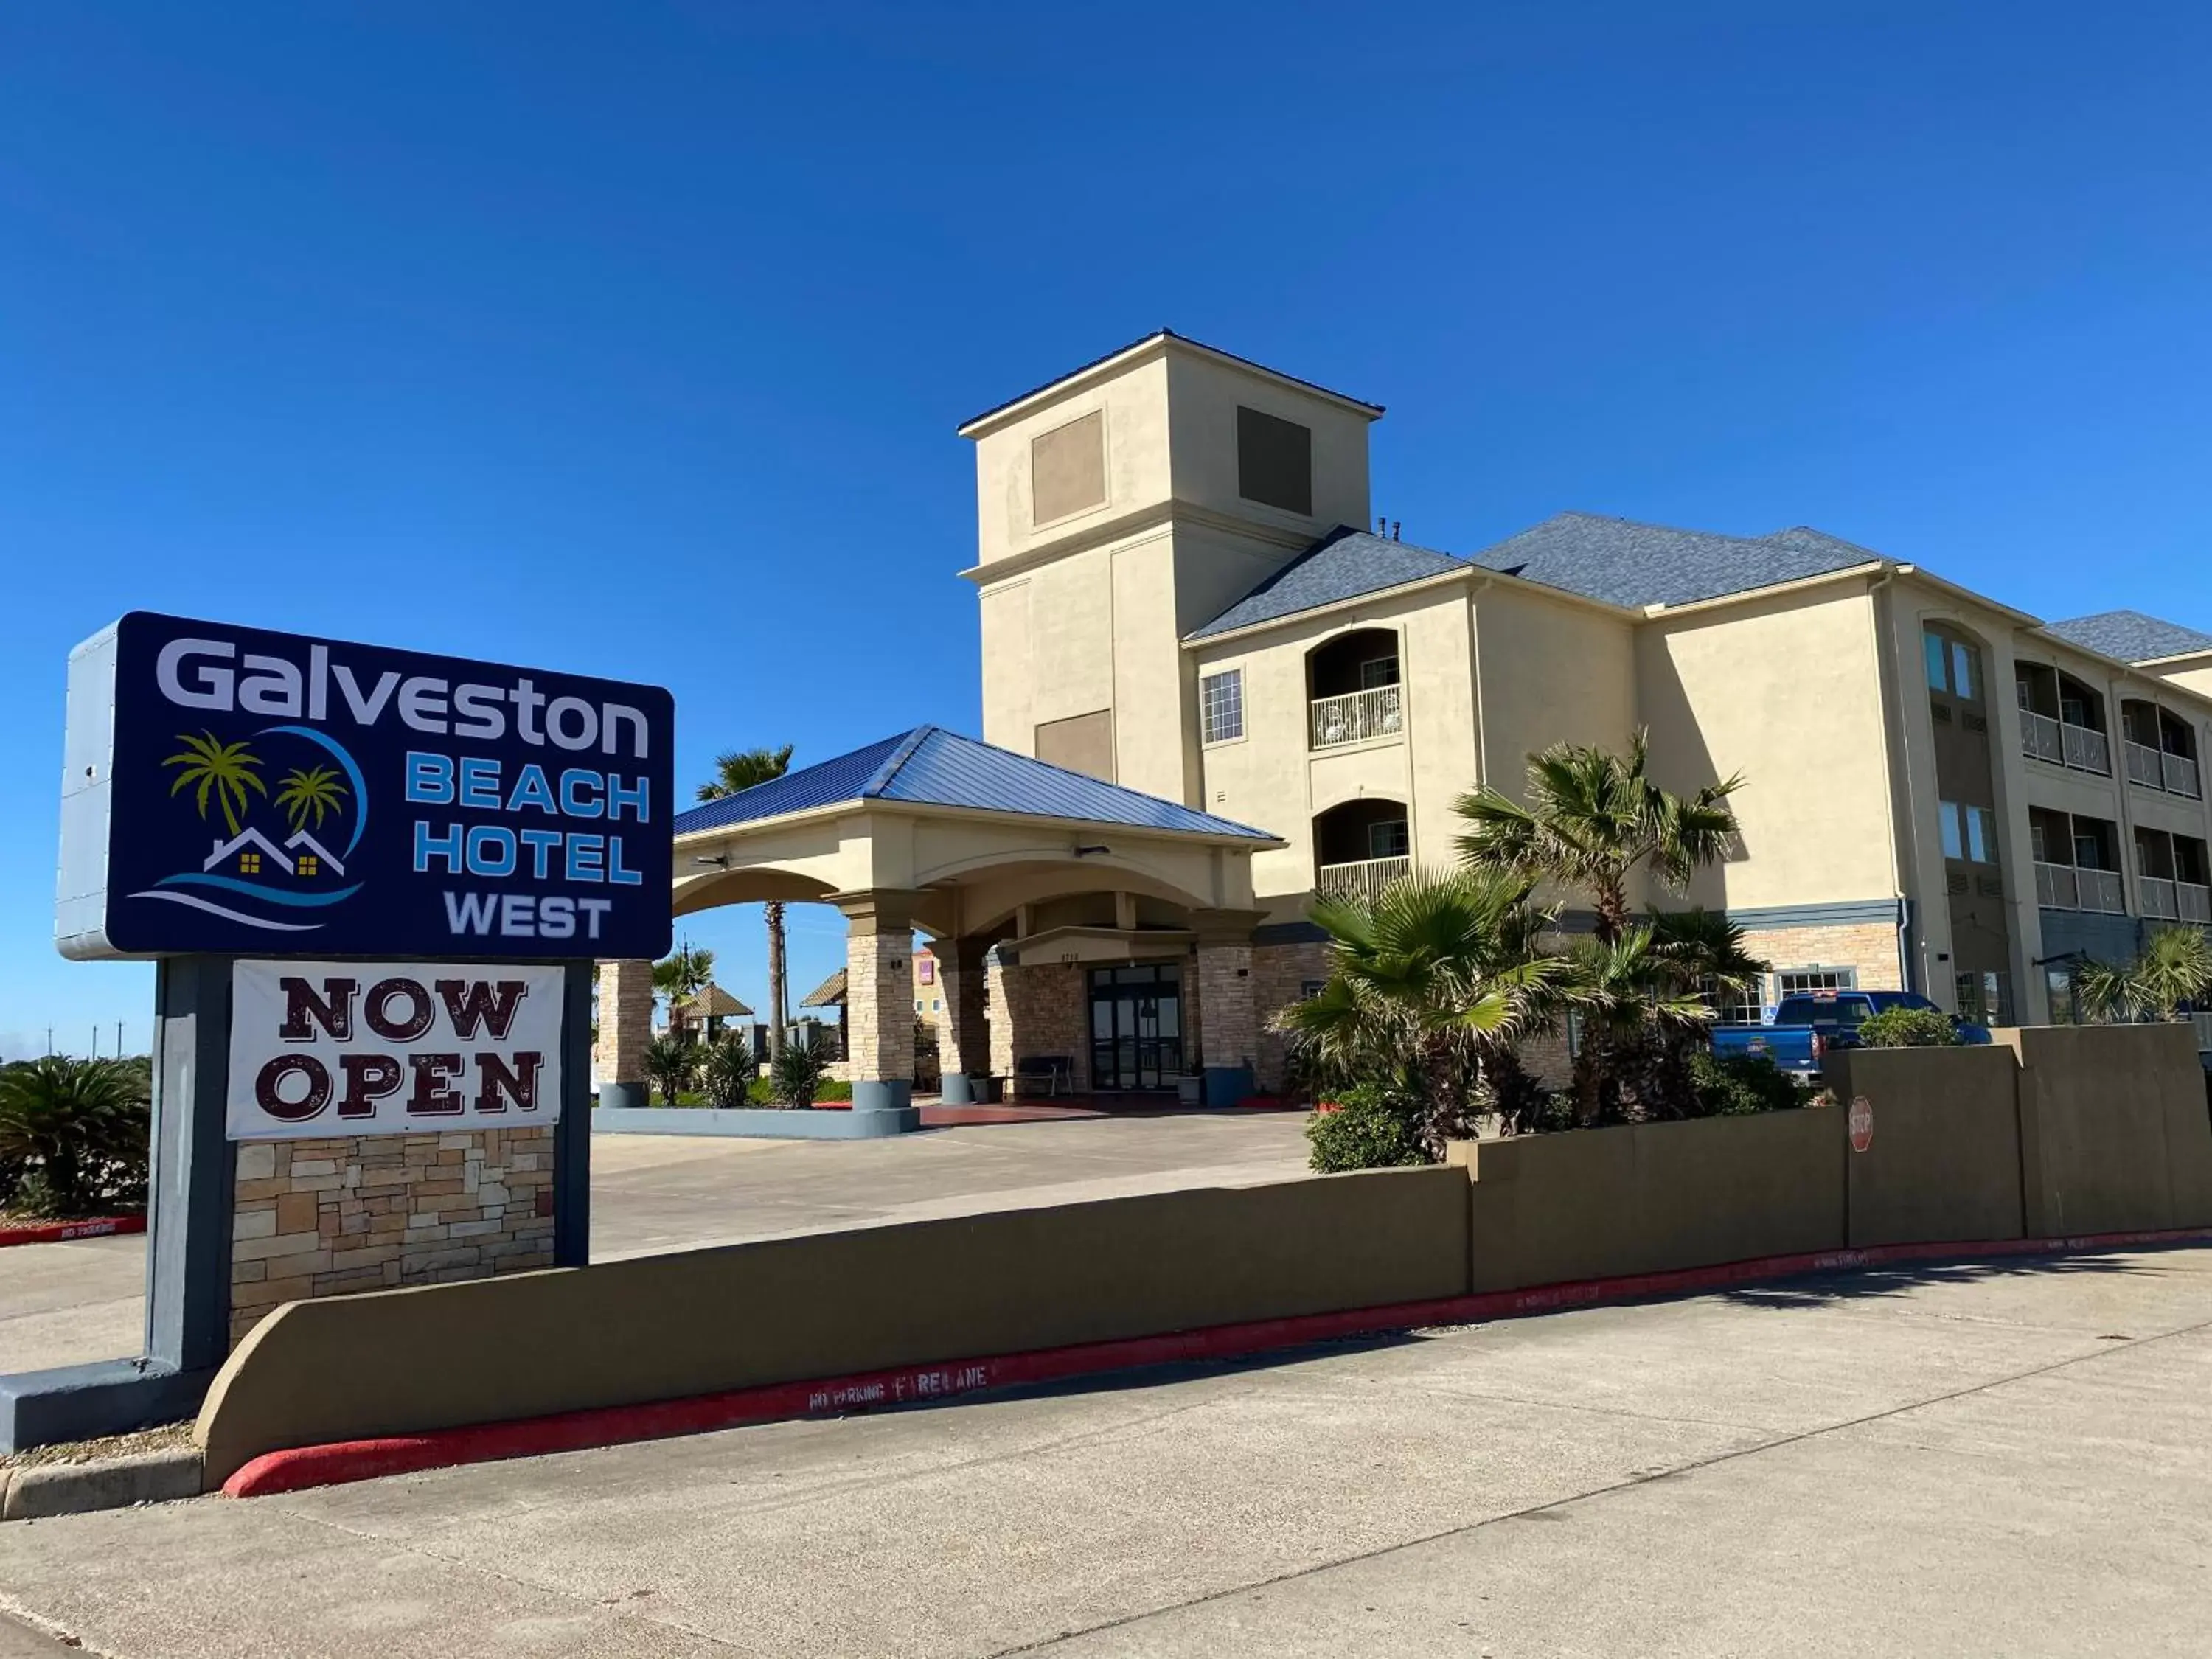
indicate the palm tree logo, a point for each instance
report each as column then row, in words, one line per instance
column 314, row 792
column 224, row 772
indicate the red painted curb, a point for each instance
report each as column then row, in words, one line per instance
column 55, row 1232
column 345, row 1461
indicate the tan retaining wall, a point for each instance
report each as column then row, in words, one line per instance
column 1945, row 1160
column 1651, row 1197
column 2113, row 1129
column 699, row 1321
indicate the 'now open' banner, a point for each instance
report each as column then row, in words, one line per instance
column 327, row 1049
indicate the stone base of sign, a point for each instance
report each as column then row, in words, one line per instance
column 758, row 1124
column 325, row 1217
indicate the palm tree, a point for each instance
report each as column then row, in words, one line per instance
column 683, row 973
column 670, row 1067
column 1703, row 950
column 1592, row 818
column 735, row 771
column 1634, row 1012
column 316, row 792
column 222, row 770
column 1435, row 980
column 2174, row 969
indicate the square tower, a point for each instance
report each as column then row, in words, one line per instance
column 1122, row 505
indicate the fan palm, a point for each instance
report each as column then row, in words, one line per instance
column 2174, row 968
column 683, row 973
column 669, row 1066
column 1703, row 950
column 1592, row 818
column 1632, row 1009
column 737, row 770
column 223, row 772
column 1433, row 981
column 314, row 792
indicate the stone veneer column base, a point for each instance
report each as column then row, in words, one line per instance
column 367, row 1213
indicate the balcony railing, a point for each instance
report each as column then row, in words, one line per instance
column 2157, row 898
column 2038, row 737
column 1366, row 879
column 2086, row 751
column 2143, row 766
column 2203, row 1025
column 1358, row 715
column 2068, row 887
column 2192, row 902
column 2181, row 777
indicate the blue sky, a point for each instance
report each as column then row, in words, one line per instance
column 632, row 339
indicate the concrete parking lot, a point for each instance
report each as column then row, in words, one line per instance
column 64, row 1304
column 2011, row 1458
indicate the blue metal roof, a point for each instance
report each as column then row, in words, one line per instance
column 931, row 767
column 2130, row 636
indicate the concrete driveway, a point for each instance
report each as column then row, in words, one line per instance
column 2011, row 1459
column 64, row 1304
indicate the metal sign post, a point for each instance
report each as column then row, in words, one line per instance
column 375, row 883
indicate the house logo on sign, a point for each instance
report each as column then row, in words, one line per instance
column 282, row 807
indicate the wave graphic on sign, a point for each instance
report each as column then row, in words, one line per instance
column 199, row 904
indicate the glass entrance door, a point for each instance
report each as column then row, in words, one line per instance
column 1136, row 1026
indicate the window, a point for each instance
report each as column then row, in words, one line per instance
column 1954, row 666
column 1811, row 981
column 1221, row 705
column 1970, row 833
column 2065, row 1007
column 249, row 864
column 1965, row 672
column 1984, row 998
column 1388, row 840
column 309, row 865
column 1736, row 1007
column 1378, row 672
column 1274, row 461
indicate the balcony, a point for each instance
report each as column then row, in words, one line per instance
column 2156, row 769
column 2070, row 887
column 1366, row 879
column 2061, row 743
column 1358, row 715
column 2175, row 901
column 2181, row 776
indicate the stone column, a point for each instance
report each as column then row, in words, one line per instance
column 879, row 1001
column 1229, row 1029
column 625, row 1030
column 963, row 1037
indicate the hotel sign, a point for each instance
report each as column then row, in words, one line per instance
column 230, row 791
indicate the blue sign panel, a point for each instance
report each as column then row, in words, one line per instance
column 231, row 790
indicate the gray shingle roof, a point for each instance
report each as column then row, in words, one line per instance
column 2130, row 636
column 1625, row 563
column 1615, row 560
column 1341, row 565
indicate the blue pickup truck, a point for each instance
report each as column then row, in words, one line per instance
column 1807, row 1027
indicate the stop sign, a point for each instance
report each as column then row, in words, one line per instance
column 1862, row 1123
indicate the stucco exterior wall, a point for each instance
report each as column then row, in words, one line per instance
column 1786, row 691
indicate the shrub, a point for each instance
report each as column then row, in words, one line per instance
column 727, row 1073
column 1908, row 1027
column 74, row 1135
column 670, row 1065
column 1371, row 1129
column 795, row 1078
column 1736, row 1086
